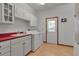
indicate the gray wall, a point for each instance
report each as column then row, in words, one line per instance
column 66, row 30
column 77, row 22
column 77, row 30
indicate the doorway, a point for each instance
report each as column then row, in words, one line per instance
column 52, row 30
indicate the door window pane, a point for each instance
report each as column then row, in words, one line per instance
column 6, row 5
column 6, row 18
column 10, row 19
column 5, row 11
column 51, row 26
column 10, row 10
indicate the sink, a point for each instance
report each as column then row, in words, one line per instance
column 17, row 34
column 32, row 32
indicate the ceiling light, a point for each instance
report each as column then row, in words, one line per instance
column 42, row 3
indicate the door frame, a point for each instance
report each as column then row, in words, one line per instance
column 57, row 28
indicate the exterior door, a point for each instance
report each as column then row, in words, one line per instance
column 52, row 30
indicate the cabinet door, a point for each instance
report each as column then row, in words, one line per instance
column 6, row 54
column 5, row 48
column 5, row 51
column 7, row 13
column 33, row 21
column 17, row 47
column 4, row 44
column 27, row 46
column 19, row 12
column 27, row 16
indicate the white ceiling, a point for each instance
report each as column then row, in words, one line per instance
column 39, row 7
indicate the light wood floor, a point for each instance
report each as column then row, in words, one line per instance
column 53, row 50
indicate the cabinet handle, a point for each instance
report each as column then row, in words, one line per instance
column 0, row 46
column 0, row 52
column 23, row 43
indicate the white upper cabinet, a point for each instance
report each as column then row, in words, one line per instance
column 23, row 13
column 19, row 12
column 6, row 13
column 33, row 21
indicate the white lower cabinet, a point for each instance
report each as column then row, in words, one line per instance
column 6, row 54
column 20, row 46
column 5, row 51
column 27, row 46
column 5, row 48
column 17, row 48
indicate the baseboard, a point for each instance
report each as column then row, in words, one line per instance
column 65, row 45
column 28, row 53
column 58, row 44
column 44, row 42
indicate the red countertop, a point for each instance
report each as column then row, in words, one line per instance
column 8, row 36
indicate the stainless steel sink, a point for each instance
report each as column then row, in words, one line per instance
column 18, row 34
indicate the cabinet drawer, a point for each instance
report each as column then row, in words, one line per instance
column 17, row 40
column 6, row 54
column 28, row 37
column 4, row 44
column 5, row 50
column 27, row 41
